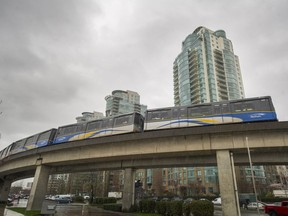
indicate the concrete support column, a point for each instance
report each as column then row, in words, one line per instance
column 39, row 188
column 129, row 189
column 5, row 185
column 226, row 183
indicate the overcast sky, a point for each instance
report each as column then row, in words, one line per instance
column 59, row 58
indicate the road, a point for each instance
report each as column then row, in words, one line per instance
column 86, row 210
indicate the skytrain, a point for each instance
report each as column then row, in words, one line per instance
column 224, row 112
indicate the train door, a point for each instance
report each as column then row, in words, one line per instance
column 222, row 113
column 79, row 131
column 200, row 115
column 158, row 119
column 138, row 122
column 107, row 125
column 179, row 117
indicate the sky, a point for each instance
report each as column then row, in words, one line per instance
column 59, row 58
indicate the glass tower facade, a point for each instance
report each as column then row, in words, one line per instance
column 121, row 102
column 206, row 70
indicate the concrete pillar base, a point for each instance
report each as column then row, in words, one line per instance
column 129, row 189
column 226, row 183
column 39, row 188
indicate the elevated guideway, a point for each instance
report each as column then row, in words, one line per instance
column 216, row 145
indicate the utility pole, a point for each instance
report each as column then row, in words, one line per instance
column 252, row 174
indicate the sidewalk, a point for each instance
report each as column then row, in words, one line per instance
column 9, row 212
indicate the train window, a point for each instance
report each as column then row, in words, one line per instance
column 61, row 131
column 18, row 145
column 31, row 140
column 263, row 105
column 95, row 125
column 70, row 129
column 217, row 109
column 245, row 106
column 200, row 111
column 107, row 123
column 80, row 127
column 225, row 108
column 44, row 136
column 180, row 113
column 159, row 115
column 4, row 152
column 237, row 107
column 123, row 120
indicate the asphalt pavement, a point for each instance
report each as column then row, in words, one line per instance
column 86, row 210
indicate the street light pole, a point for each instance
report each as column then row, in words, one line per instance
column 252, row 174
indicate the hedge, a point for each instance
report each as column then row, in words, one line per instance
column 113, row 207
column 202, row 208
column 104, row 200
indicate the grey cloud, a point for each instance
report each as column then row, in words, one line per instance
column 60, row 58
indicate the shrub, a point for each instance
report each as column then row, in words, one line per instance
column 104, row 200
column 175, row 208
column 161, row 207
column 113, row 207
column 147, row 206
column 202, row 208
column 78, row 199
column 186, row 208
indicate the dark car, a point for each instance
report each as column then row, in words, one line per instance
column 63, row 200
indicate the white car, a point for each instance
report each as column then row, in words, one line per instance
column 253, row 205
column 217, row 201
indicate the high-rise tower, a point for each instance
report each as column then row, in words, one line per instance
column 121, row 102
column 206, row 70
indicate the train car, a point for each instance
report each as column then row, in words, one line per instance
column 70, row 132
column 39, row 140
column 125, row 123
column 35, row 141
column 5, row 152
column 17, row 146
column 234, row 111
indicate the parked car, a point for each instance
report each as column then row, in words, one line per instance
column 278, row 209
column 188, row 200
column 217, row 201
column 253, row 205
column 63, row 200
column 165, row 199
column 86, row 197
column 176, row 199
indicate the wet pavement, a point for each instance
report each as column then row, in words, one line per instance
column 84, row 210
column 79, row 209
column 73, row 209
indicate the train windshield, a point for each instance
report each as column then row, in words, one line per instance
column 123, row 120
column 18, row 146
